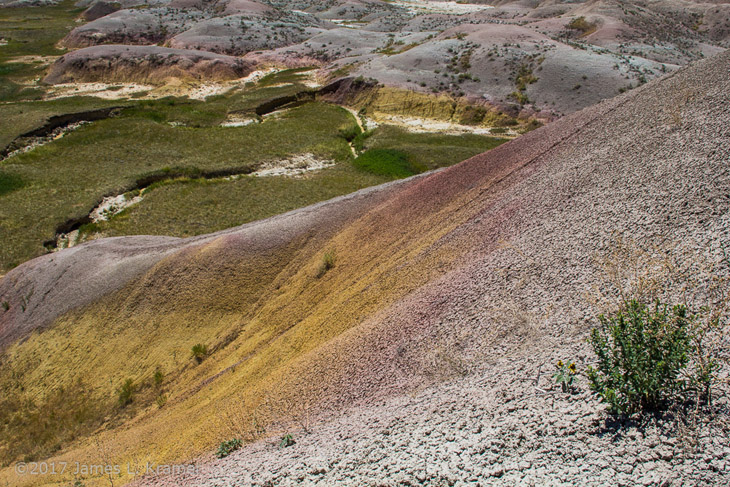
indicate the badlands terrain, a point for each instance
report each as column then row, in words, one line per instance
column 352, row 239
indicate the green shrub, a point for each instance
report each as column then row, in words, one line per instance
column 350, row 132
column 359, row 142
column 385, row 162
column 328, row 262
column 286, row 440
column 228, row 447
column 582, row 25
column 643, row 357
column 158, row 378
column 531, row 125
column 519, row 97
column 125, row 394
column 161, row 400
column 199, row 352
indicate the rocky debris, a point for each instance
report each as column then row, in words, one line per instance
column 295, row 166
column 144, row 64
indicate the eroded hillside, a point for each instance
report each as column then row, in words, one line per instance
column 337, row 306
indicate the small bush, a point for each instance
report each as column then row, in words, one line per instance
column 582, row 25
column 161, row 400
column 529, row 126
column 125, row 393
column 199, row 352
column 286, row 440
column 228, row 447
column 328, row 262
column 350, row 132
column 359, row 142
column 643, row 357
column 519, row 97
column 158, row 378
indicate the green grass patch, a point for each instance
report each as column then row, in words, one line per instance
column 185, row 208
column 427, row 151
column 294, row 75
column 385, row 162
column 65, row 178
column 36, row 30
column 31, row 31
column 21, row 117
column 9, row 182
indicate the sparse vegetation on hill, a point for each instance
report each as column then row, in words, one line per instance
column 126, row 392
column 228, row 447
column 199, row 352
column 582, row 25
column 33, row 429
column 328, row 262
column 644, row 354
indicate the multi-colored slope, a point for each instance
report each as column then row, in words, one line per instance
column 380, row 292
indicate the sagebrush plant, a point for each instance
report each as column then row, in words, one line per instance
column 565, row 375
column 582, row 25
column 228, row 447
column 644, row 353
column 158, row 378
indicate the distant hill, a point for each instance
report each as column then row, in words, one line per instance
column 551, row 57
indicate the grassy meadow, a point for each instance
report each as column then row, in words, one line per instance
column 181, row 140
column 64, row 179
